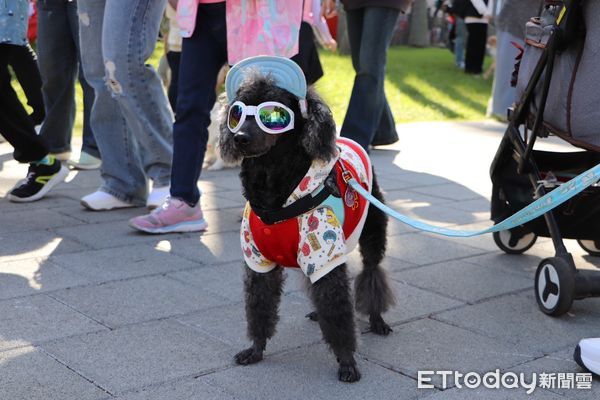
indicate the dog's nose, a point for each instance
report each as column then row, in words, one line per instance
column 241, row 139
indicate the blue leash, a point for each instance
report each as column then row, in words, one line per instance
column 539, row 207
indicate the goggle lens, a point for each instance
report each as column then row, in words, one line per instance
column 274, row 117
column 235, row 115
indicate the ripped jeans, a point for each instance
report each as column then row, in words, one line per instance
column 131, row 118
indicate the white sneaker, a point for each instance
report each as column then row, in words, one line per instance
column 102, row 201
column 587, row 355
column 85, row 162
column 64, row 156
column 158, row 196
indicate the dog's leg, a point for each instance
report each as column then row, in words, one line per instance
column 373, row 293
column 332, row 298
column 263, row 294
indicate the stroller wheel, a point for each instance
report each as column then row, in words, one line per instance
column 591, row 246
column 513, row 241
column 554, row 286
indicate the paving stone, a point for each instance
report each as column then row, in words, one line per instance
column 412, row 302
column 205, row 249
column 434, row 346
column 35, row 244
column 123, row 262
column 137, row 300
column 29, row 374
column 389, row 263
column 227, row 280
column 310, row 373
column 449, row 191
column 22, row 221
column 109, row 234
column 424, row 249
column 560, row 363
column 32, row 276
column 516, row 319
column 139, row 355
column 211, row 201
column 234, row 196
column 93, row 217
column 228, row 323
column 186, row 389
column 494, row 394
column 34, row 319
column 463, row 281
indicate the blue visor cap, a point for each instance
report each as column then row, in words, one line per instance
column 287, row 74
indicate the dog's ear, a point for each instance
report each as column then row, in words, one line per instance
column 319, row 134
column 226, row 147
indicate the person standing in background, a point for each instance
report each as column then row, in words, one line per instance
column 478, row 14
column 214, row 33
column 59, row 61
column 370, row 28
column 131, row 118
column 16, row 125
column 510, row 27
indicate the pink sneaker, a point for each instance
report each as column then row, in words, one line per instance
column 173, row 216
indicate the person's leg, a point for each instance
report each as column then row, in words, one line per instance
column 24, row 63
column 57, row 59
column 121, row 169
column 503, row 94
column 367, row 102
column 476, row 42
column 15, row 124
column 459, row 42
column 173, row 58
column 89, row 145
column 202, row 57
column 17, row 127
column 128, row 39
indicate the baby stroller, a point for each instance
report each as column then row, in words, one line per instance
column 559, row 94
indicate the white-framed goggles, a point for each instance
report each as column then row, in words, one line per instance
column 271, row 116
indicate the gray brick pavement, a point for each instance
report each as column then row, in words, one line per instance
column 90, row 309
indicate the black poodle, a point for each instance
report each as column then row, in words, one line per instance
column 272, row 166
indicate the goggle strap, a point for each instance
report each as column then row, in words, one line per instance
column 303, row 108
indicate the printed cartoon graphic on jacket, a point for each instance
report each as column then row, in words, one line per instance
column 319, row 240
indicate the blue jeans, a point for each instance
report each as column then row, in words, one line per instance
column 202, row 57
column 131, row 118
column 459, row 42
column 370, row 33
column 59, row 62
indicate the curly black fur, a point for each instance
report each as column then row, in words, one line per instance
column 263, row 295
column 272, row 166
column 373, row 293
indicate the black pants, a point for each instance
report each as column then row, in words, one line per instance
column 15, row 124
column 173, row 59
column 476, row 43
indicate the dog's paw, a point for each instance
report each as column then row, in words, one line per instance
column 248, row 356
column 348, row 373
column 379, row 326
column 313, row 316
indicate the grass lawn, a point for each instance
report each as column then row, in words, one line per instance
column 421, row 85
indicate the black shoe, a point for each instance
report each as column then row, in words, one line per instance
column 40, row 179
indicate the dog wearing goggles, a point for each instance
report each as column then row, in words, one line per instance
column 288, row 152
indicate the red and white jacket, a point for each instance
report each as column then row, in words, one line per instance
column 319, row 240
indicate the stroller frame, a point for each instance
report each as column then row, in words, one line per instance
column 557, row 280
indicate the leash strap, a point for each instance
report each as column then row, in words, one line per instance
column 539, row 207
